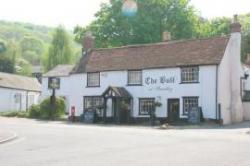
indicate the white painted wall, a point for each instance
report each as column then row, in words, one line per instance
column 229, row 88
column 9, row 102
column 205, row 90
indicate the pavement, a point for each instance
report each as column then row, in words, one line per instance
column 6, row 136
column 43, row 143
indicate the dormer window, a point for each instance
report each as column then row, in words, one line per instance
column 135, row 77
column 190, row 74
column 93, row 79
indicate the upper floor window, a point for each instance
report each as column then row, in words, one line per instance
column 146, row 106
column 189, row 103
column 53, row 83
column 135, row 77
column 189, row 74
column 93, row 79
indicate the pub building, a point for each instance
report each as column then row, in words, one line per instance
column 126, row 84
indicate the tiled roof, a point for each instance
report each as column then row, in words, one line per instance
column 160, row 55
column 59, row 71
column 12, row 81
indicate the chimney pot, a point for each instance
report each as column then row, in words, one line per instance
column 88, row 42
column 166, row 36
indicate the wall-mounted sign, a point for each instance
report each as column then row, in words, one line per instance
column 161, row 83
column 160, row 80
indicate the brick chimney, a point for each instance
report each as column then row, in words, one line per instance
column 235, row 25
column 166, row 36
column 88, row 42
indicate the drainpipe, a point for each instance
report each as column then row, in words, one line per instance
column 216, row 92
column 27, row 100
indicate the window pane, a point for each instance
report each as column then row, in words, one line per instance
column 189, row 74
column 93, row 79
column 92, row 102
column 135, row 77
column 146, row 106
column 189, row 103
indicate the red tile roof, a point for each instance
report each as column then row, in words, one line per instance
column 160, row 55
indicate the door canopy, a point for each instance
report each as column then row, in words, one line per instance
column 116, row 92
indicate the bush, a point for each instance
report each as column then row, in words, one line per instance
column 19, row 114
column 46, row 111
column 34, row 111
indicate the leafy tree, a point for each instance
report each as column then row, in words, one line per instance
column 214, row 27
column 32, row 49
column 112, row 28
column 23, row 67
column 245, row 22
column 60, row 51
column 7, row 57
column 6, row 65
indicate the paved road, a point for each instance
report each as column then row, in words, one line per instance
column 57, row 144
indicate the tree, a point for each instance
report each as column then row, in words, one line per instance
column 214, row 27
column 111, row 28
column 6, row 65
column 32, row 49
column 59, row 51
column 7, row 57
column 245, row 22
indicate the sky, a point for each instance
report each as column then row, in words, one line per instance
column 81, row 12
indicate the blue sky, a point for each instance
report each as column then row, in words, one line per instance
column 72, row 12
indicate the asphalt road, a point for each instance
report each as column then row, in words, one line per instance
column 54, row 143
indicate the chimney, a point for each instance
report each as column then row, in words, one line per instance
column 88, row 42
column 235, row 25
column 166, row 36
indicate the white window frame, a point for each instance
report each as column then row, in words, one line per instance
column 149, row 103
column 190, row 74
column 134, row 77
column 189, row 102
column 93, row 79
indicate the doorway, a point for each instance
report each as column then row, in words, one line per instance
column 173, row 110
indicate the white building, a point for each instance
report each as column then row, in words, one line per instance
column 18, row 93
column 61, row 72
column 125, row 83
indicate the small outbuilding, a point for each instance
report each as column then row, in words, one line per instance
column 18, row 93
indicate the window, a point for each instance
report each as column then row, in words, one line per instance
column 190, row 74
column 93, row 102
column 93, row 79
column 246, row 95
column 188, row 103
column 135, row 77
column 146, row 106
column 53, row 83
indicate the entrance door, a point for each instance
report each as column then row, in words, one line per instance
column 121, row 110
column 173, row 110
